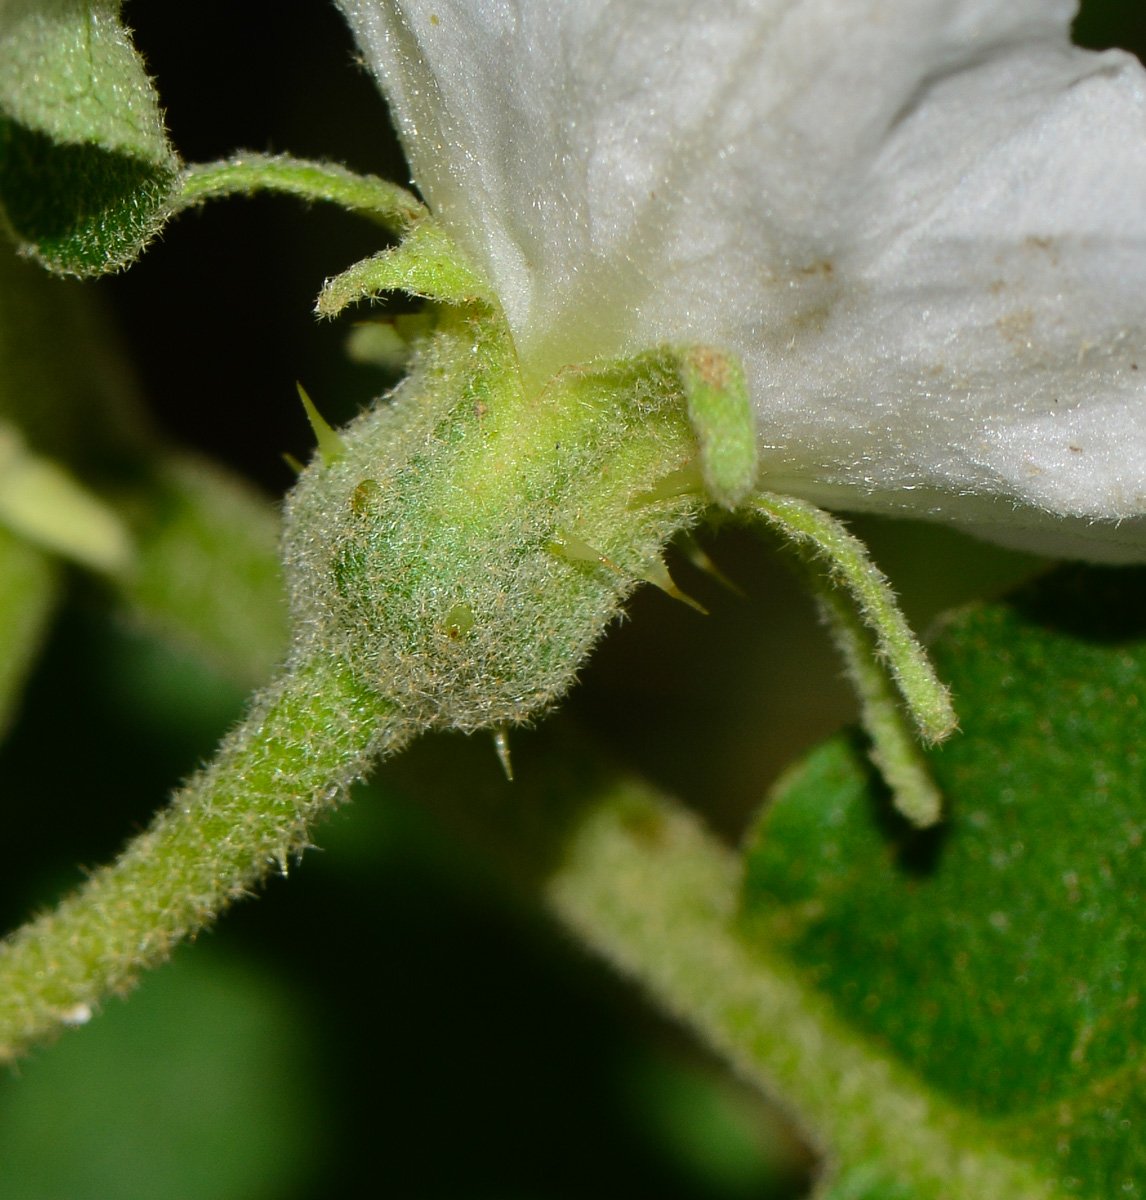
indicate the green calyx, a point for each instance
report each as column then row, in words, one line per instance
column 451, row 557
column 537, row 513
column 457, row 496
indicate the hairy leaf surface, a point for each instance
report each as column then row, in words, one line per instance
column 86, row 171
column 999, row 956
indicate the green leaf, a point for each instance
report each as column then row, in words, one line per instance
column 198, row 1088
column 27, row 596
column 1000, row 956
column 86, row 171
column 44, row 503
column 64, row 382
column 207, row 574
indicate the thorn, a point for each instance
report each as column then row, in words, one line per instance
column 657, row 574
column 571, row 548
column 330, row 445
column 694, row 552
column 501, row 745
column 684, row 481
column 293, row 463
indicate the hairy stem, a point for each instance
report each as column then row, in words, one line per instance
column 826, row 545
column 307, row 737
column 648, row 889
column 246, row 173
column 640, row 882
column 894, row 751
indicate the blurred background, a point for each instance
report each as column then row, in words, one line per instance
column 390, row 1018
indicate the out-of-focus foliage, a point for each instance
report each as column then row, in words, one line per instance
column 201, row 1088
column 27, row 597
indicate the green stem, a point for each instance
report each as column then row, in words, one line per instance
column 647, row 888
column 242, row 174
column 825, row 542
column 426, row 264
column 894, row 750
column 251, row 811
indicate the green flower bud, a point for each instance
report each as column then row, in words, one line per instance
column 424, row 556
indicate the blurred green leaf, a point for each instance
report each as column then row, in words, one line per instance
column 717, row 1132
column 198, row 1088
column 63, row 382
column 28, row 587
column 86, row 171
column 999, row 956
column 207, row 573
column 43, row 502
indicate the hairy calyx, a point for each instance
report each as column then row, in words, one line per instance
column 452, row 556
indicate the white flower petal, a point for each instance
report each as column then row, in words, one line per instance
column 978, row 351
column 921, row 223
column 575, row 145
